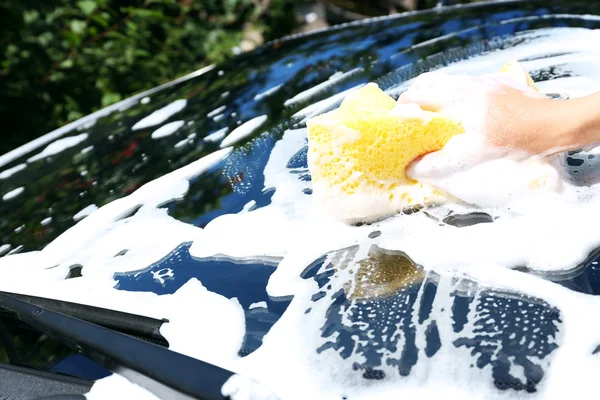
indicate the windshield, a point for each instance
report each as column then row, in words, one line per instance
column 193, row 203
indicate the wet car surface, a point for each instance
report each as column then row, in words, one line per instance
column 112, row 160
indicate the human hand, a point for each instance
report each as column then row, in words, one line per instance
column 504, row 111
column 506, row 122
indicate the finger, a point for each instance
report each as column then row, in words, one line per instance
column 436, row 90
column 427, row 100
column 460, row 153
column 430, row 79
column 514, row 83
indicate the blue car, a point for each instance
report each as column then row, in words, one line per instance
column 158, row 239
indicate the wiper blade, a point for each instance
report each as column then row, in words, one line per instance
column 145, row 328
column 163, row 372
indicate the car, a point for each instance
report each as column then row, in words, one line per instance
column 123, row 252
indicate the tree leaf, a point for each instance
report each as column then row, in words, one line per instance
column 87, row 6
column 109, row 98
column 78, row 26
column 68, row 63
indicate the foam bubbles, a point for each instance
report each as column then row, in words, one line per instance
column 13, row 193
column 167, row 129
column 161, row 115
column 407, row 307
column 7, row 173
column 85, row 212
column 59, row 145
column 243, row 131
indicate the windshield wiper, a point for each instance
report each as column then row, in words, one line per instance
column 145, row 328
column 163, row 372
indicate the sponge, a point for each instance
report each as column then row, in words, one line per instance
column 358, row 154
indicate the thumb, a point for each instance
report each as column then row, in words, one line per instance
column 459, row 154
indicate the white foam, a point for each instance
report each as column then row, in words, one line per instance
column 13, row 193
column 46, row 221
column 325, row 104
column 550, row 234
column 7, row 173
column 167, row 129
column 58, row 146
column 161, row 115
column 182, row 143
column 85, row 212
column 268, row 92
column 19, row 247
column 4, row 248
column 116, row 386
column 145, row 100
column 87, row 149
column 216, row 111
column 307, row 94
column 260, row 304
column 216, row 136
column 243, row 131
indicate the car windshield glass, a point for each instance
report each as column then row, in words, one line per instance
column 191, row 203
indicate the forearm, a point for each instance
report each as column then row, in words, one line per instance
column 571, row 124
column 585, row 120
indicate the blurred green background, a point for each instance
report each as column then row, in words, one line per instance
column 63, row 59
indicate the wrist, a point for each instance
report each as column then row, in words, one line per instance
column 562, row 126
column 583, row 120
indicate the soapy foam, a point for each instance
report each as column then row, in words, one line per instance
column 161, row 115
column 107, row 387
column 59, row 145
column 85, row 212
column 530, row 234
column 13, row 193
column 243, row 131
column 305, row 95
column 187, row 140
column 267, row 92
column 216, row 111
column 216, row 136
column 4, row 248
column 167, row 129
column 7, row 173
column 87, row 149
column 293, row 233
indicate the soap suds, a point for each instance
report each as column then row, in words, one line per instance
column 167, row 129
column 87, row 149
column 59, row 145
column 260, row 304
column 4, row 248
column 161, row 115
column 116, row 386
column 327, row 343
column 7, row 173
column 216, row 111
column 243, row 131
column 267, row 92
column 216, row 136
column 308, row 93
column 85, row 212
column 13, row 193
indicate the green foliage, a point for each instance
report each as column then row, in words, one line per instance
column 62, row 59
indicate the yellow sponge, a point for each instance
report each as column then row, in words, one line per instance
column 517, row 72
column 358, row 154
